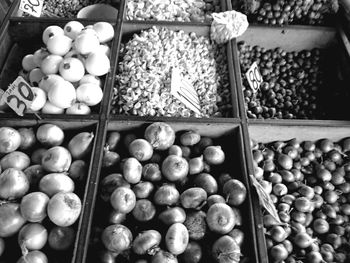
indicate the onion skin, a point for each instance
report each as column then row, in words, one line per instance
column 81, row 145
column 11, row 219
column 160, row 135
column 113, row 139
column 110, row 183
column 56, row 159
column 34, row 256
column 235, row 191
column 53, row 183
column 37, row 155
column 78, row 170
column 123, row 200
column 13, row 184
column 175, row 168
column 214, row 155
column 220, row 218
column 196, row 225
column 16, row 159
column 50, row 135
column 32, row 236
column 193, row 198
column 10, row 140
column 164, row 257
column 64, row 209
column 144, row 210
column 146, row 241
column 143, row 189
column 132, row 170
column 173, row 215
column 141, row 149
column 61, row 238
column 177, row 238
column 192, row 254
column 33, row 206
column 226, row 250
column 190, row 138
column 117, row 238
column 28, row 138
column 167, row 194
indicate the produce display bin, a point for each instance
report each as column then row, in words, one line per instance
column 24, row 36
column 329, row 97
column 272, row 131
column 67, row 9
column 174, row 14
column 71, row 128
column 4, row 8
column 227, row 135
column 229, row 97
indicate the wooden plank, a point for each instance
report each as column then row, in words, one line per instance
column 314, row 131
column 291, row 38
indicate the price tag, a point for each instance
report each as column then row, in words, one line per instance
column 32, row 7
column 254, row 77
column 18, row 96
column 183, row 90
column 265, row 200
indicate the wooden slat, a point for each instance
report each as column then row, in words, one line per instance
column 291, row 38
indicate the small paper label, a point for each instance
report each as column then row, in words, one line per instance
column 18, row 96
column 32, row 7
column 265, row 199
column 183, row 90
column 254, row 77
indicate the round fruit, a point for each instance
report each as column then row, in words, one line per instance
column 62, row 94
column 50, row 64
column 39, row 99
column 28, row 63
column 72, row 29
column 52, row 31
column 86, row 43
column 39, row 55
column 104, row 30
column 88, row 78
column 71, row 69
column 90, row 94
column 35, row 77
column 48, row 81
column 97, row 64
column 59, row 45
column 79, row 108
column 49, row 108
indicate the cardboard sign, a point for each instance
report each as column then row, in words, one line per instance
column 18, row 96
column 254, row 77
column 183, row 90
column 32, row 7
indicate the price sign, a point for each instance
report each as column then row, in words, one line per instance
column 32, row 7
column 254, row 77
column 183, row 90
column 18, row 96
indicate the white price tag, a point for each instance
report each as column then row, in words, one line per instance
column 32, row 7
column 183, row 90
column 18, row 96
column 254, row 77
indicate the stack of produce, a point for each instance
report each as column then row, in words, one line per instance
column 39, row 187
column 282, row 12
column 172, row 10
column 65, row 74
column 296, row 85
column 143, row 85
column 309, row 183
column 170, row 198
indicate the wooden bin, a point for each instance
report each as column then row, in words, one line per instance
column 270, row 131
column 12, row 251
column 228, row 135
column 297, row 38
column 201, row 29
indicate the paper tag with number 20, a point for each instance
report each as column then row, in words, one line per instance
column 19, row 96
column 254, row 77
column 32, row 7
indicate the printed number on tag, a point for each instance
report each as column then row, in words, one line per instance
column 32, row 7
column 182, row 89
column 18, row 96
column 254, row 77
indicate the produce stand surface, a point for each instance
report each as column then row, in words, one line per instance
column 233, row 130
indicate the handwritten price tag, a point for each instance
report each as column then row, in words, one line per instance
column 183, row 90
column 18, row 96
column 32, row 7
column 254, row 77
